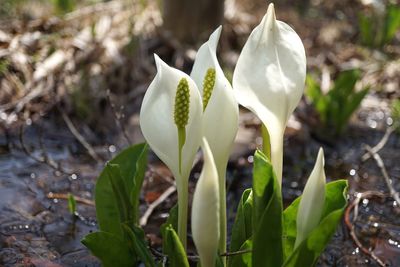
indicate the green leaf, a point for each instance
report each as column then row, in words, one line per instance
column 267, row 214
column 173, row 248
column 172, row 220
column 71, row 203
column 137, row 243
column 130, row 161
column 366, row 31
column 307, row 253
column 313, row 91
column 354, row 101
column 141, row 165
column 219, row 262
column 111, row 250
column 242, row 228
column 392, row 23
column 244, row 259
column 119, row 190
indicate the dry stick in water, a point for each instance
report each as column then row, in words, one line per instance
column 380, row 145
column 66, row 196
column 350, row 223
column 381, row 165
column 79, row 137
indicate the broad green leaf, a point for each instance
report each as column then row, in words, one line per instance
column 141, row 165
column 242, row 228
column 308, row 251
column 107, row 211
column 111, row 250
column 119, row 191
column 243, row 259
column 267, row 214
column 137, row 243
column 173, row 248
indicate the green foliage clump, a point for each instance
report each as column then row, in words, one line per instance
column 336, row 107
column 121, row 241
column 378, row 29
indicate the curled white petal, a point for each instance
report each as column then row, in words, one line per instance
column 157, row 119
column 312, row 200
column 205, row 210
column 269, row 77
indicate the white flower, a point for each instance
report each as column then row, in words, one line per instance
column 312, row 200
column 269, row 78
column 170, row 120
column 205, row 211
column 221, row 114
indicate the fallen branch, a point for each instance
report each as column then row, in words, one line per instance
column 388, row 181
column 380, row 145
column 66, row 196
column 350, row 223
column 79, row 137
column 154, row 204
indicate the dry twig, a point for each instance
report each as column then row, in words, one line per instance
column 66, row 196
column 388, row 181
column 350, row 223
column 380, row 145
column 79, row 137
column 154, row 204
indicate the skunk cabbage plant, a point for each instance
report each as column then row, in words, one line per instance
column 221, row 115
column 269, row 79
column 170, row 120
column 181, row 112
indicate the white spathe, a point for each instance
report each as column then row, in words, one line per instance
column 269, row 78
column 157, row 119
column 312, row 200
column 220, row 120
column 205, row 210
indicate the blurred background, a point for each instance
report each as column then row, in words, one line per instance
column 72, row 79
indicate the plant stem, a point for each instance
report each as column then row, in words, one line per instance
column 273, row 149
column 222, row 209
column 277, row 155
column 182, row 187
column 266, row 149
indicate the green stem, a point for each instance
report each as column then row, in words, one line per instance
column 222, row 210
column 182, row 187
column 266, row 149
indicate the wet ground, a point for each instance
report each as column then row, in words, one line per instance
column 36, row 228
